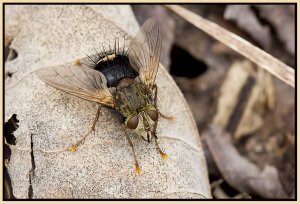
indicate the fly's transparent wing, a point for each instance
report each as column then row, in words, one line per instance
column 80, row 81
column 144, row 51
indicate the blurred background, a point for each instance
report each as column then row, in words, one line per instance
column 245, row 116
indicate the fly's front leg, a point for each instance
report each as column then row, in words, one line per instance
column 74, row 147
column 154, row 88
column 137, row 166
column 163, row 154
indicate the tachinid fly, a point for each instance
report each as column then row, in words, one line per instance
column 123, row 81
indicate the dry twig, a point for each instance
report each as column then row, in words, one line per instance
column 251, row 52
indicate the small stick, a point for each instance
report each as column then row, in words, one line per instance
column 238, row 44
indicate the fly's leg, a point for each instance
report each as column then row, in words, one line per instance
column 74, row 147
column 163, row 154
column 137, row 166
column 154, row 88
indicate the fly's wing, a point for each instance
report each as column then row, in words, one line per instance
column 80, row 81
column 144, row 51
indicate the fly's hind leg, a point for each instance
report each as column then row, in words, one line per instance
column 74, row 147
column 137, row 166
column 171, row 118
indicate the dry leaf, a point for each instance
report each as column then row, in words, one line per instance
column 240, row 173
column 246, row 20
column 51, row 120
column 282, row 18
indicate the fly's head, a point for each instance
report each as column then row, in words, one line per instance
column 143, row 122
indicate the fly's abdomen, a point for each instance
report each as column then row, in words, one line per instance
column 115, row 67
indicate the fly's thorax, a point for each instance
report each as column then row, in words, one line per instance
column 135, row 102
column 132, row 97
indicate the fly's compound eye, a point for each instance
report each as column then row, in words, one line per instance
column 153, row 115
column 133, row 122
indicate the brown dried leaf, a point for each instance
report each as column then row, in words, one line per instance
column 282, row 17
column 247, row 21
column 240, row 173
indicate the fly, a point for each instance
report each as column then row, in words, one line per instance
column 122, row 81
